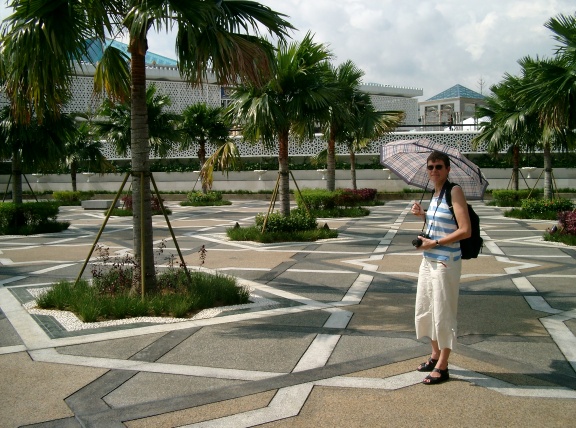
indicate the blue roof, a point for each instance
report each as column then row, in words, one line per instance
column 457, row 91
column 95, row 49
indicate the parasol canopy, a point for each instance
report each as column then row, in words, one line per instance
column 407, row 159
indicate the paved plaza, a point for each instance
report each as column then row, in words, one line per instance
column 328, row 340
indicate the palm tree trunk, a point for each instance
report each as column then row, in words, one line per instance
column 202, row 158
column 515, row 166
column 143, row 239
column 547, row 172
column 353, row 169
column 331, row 161
column 284, row 173
column 73, row 171
column 16, row 177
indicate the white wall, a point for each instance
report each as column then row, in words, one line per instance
column 249, row 180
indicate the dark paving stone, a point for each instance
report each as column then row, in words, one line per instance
column 8, row 336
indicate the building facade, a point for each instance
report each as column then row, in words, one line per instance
column 449, row 108
column 457, row 103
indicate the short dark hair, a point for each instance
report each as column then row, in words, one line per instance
column 439, row 156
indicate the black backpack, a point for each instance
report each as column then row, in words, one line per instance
column 470, row 247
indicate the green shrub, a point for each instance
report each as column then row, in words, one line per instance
column 540, row 206
column 316, row 199
column 254, row 233
column 322, row 199
column 520, row 213
column 88, row 308
column 201, row 197
column 560, row 237
column 355, row 197
column 60, row 295
column 277, row 222
column 30, row 218
column 343, row 212
column 565, row 232
column 179, row 299
column 67, row 196
column 120, row 212
column 512, row 198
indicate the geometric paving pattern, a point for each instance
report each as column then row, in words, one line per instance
column 328, row 340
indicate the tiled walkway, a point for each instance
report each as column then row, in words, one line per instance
column 329, row 340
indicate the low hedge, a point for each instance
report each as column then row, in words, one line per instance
column 30, row 218
column 322, row 199
column 298, row 220
column 540, row 206
column 513, row 198
column 203, row 198
column 68, row 196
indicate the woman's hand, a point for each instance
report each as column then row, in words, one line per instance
column 427, row 244
column 417, row 210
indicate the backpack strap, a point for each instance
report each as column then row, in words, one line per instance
column 440, row 196
column 448, row 185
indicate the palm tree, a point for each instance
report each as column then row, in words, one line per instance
column 45, row 42
column 550, row 92
column 538, row 108
column 366, row 124
column 553, row 92
column 202, row 124
column 347, row 78
column 114, row 125
column 511, row 125
column 84, row 147
column 296, row 98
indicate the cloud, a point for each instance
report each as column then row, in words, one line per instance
column 428, row 44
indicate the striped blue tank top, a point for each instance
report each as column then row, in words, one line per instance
column 439, row 223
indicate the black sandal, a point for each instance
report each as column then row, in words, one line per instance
column 427, row 366
column 444, row 376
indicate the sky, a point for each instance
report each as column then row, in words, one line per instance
column 427, row 44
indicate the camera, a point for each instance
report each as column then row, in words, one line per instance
column 417, row 242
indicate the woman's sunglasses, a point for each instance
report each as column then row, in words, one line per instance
column 437, row 166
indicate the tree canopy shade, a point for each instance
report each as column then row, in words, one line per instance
column 32, row 145
column 45, row 41
column 292, row 102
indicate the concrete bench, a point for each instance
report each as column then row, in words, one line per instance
column 97, row 204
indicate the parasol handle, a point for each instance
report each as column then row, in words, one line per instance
column 424, row 192
column 420, row 203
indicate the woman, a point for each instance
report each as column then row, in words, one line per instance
column 439, row 275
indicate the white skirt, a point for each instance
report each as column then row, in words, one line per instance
column 437, row 301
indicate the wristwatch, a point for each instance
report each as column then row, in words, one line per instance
column 437, row 243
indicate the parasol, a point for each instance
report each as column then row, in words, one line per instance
column 407, row 159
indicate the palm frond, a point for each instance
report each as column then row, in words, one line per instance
column 225, row 158
column 112, row 75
